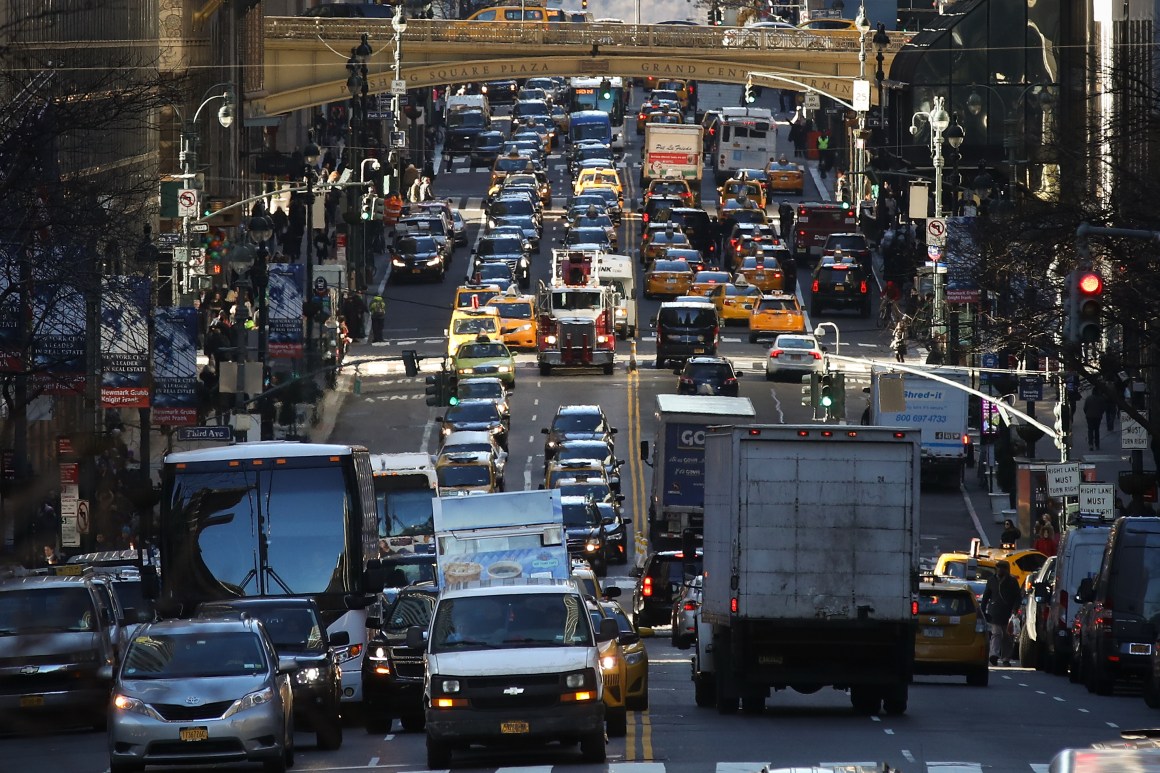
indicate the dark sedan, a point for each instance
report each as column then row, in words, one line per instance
column 506, row 249
column 415, row 256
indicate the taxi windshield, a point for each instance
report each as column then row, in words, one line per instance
column 514, row 310
column 474, row 325
column 463, row 475
column 472, row 351
column 775, row 304
column 463, row 300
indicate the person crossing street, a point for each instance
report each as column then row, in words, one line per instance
column 378, row 318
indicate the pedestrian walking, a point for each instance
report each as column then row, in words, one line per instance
column 1000, row 599
column 378, row 318
column 415, row 191
column 410, row 176
column 898, row 341
column 1110, row 411
column 823, row 153
column 1010, row 534
column 785, row 216
column 425, row 193
column 1094, row 408
column 1046, row 543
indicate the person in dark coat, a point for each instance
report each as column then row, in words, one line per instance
column 1094, row 408
column 1000, row 599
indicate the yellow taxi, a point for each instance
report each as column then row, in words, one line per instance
column 635, row 656
column 512, row 163
column 659, row 237
column 978, row 563
column 673, row 84
column 668, row 278
column 753, row 189
column 466, row 472
column 775, row 314
column 734, row 301
column 784, row 175
column 475, row 294
column 665, row 116
column 517, row 320
column 705, row 281
column 646, row 109
column 671, row 186
column 607, row 177
column 951, row 636
column 614, row 674
column 763, row 273
column 469, row 324
column 573, row 469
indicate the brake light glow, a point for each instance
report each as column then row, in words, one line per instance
column 862, row 287
column 815, row 288
column 775, row 353
column 733, row 605
column 966, row 439
column 817, row 355
column 646, row 588
column 755, row 432
column 690, row 606
column 914, row 607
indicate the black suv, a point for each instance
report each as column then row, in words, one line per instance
column 576, row 422
column 685, row 329
column 296, row 630
column 707, row 376
column 585, row 532
column 701, row 229
column 849, row 244
column 661, row 579
column 392, row 672
column 840, row 285
column 1117, row 627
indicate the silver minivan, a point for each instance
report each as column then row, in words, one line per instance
column 1081, row 548
column 202, row 691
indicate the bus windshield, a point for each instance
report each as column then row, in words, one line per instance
column 230, row 531
column 405, row 513
column 593, row 94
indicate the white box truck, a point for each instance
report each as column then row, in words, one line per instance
column 674, row 150
column 677, row 501
column 810, row 565
column 937, row 410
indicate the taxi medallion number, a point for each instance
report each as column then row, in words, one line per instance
column 194, row 733
column 31, row 701
column 514, row 728
column 932, row 633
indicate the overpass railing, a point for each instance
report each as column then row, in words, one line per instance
column 580, row 35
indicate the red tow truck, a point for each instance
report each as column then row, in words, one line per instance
column 576, row 317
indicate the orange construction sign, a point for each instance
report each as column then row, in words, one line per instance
column 392, row 209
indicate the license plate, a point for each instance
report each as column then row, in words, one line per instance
column 1139, row 649
column 416, row 271
column 194, row 733
column 793, row 357
column 839, row 288
column 514, row 728
column 759, row 275
column 932, row 633
column 671, row 281
column 784, row 178
column 699, row 350
column 31, row 701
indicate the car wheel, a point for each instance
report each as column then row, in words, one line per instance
column 329, row 732
column 894, row 702
column 704, row 690
column 377, row 720
column 1057, row 661
column 438, row 755
column 865, row 313
column 978, row 677
column 545, row 369
column 1027, row 649
column 768, row 376
column 116, row 766
column 1075, row 671
column 752, row 338
column 639, row 703
column 1097, row 678
column 726, row 704
column 414, row 723
column 608, row 368
column 865, row 700
column 617, row 722
column 592, row 748
column 659, row 363
column 275, row 765
column 752, row 704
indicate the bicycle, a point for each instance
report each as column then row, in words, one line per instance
column 886, row 313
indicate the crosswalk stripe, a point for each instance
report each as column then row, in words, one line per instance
column 636, row 767
column 954, row 767
column 526, row 769
column 741, row 767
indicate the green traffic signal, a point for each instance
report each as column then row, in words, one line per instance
column 453, row 400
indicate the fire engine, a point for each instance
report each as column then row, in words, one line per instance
column 576, row 319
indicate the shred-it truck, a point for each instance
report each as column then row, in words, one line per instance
column 810, row 565
column 937, row 410
column 674, row 151
column 678, row 462
column 511, row 655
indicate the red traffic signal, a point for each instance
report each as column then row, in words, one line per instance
column 1089, row 283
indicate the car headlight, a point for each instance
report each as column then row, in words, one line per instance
column 378, row 653
column 633, row 658
column 257, row 698
column 550, row 340
column 463, row 371
column 522, row 328
column 577, row 680
column 601, row 339
column 134, row 706
column 608, row 662
column 434, row 261
column 308, row 675
column 398, row 263
column 450, row 685
column 347, row 653
column 592, row 545
column 504, row 369
column 620, row 312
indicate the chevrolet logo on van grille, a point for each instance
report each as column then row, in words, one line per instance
column 514, row 691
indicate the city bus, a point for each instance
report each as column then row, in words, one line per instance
column 746, row 139
column 601, row 93
column 272, row 519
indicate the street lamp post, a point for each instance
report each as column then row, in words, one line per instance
column 260, row 231
column 859, row 166
column 881, row 41
column 399, row 25
column 310, row 156
column 190, row 139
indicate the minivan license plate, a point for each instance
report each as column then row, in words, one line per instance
column 194, row 733
column 514, row 728
column 31, row 701
column 1139, row 649
column 932, row 633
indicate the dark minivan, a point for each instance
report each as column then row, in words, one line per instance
column 1121, row 608
column 660, row 580
column 685, row 329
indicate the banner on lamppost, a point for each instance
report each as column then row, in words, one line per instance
column 58, row 335
column 284, row 309
column 125, row 342
column 175, row 366
column 11, row 356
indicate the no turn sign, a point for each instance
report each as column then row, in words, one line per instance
column 187, row 202
column 936, row 231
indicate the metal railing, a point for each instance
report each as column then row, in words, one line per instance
column 609, row 37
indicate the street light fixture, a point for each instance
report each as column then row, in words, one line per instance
column 881, row 41
column 399, row 25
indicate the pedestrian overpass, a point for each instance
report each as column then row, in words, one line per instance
column 305, row 57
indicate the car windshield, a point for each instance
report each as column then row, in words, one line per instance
column 474, row 325
column 410, row 609
column 775, row 304
column 488, row 140
column 679, row 266
column 412, row 245
column 473, row 411
column 465, row 119
column 494, row 272
column 472, row 351
column 707, row 370
column 401, row 573
column 514, row 310
column 673, row 571
column 959, row 569
column 463, row 300
column 945, row 603
column 580, row 514
column 688, row 317
column 132, row 597
column 616, row 612
column 578, row 422
column 512, row 206
column 1135, row 579
column 583, row 450
column 186, row 655
column 510, row 620
column 505, row 245
column 846, row 243
column 598, row 490
column 484, row 389
column 292, row 628
column 711, row 277
column 512, row 163
column 452, row 476
column 795, row 343
column 45, row 610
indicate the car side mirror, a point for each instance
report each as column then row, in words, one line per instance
column 357, row 601
column 416, row 638
column 620, row 498
column 628, row 637
column 652, row 322
column 342, row 638
column 612, row 592
column 738, row 374
column 609, row 630
column 1086, row 591
column 545, row 431
column 287, row 664
column 374, row 580
column 128, row 615
column 644, row 455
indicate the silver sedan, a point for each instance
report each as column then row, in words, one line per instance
column 794, row 355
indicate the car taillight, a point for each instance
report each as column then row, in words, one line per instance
column 775, row 353
column 862, row 287
column 729, row 381
column 690, row 606
column 815, row 287
column 686, row 380
column 817, row 355
column 646, row 587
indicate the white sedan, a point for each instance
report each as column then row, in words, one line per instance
column 795, row 355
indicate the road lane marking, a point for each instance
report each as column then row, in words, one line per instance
column 630, row 737
column 646, row 740
column 1085, row 711
column 1111, row 724
column 1061, row 700
column 374, row 761
column 875, row 719
column 741, row 767
column 526, row 769
column 636, row 767
column 954, row 767
column 888, row 731
column 906, row 755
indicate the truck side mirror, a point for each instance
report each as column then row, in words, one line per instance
column 1086, row 591
column 374, row 579
column 342, row 638
column 416, row 638
column 545, row 431
column 644, row 450
column 609, row 630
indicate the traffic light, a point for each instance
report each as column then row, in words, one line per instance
column 365, row 212
column 606, row 89
column 411, row 362
column 1060, row 410
column 378, row 209
column 437, row 389
column 1085, row 306
column 584, row 4
column 838, row 410
column 810, row 385
column 749, row 97
column 826, row 393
